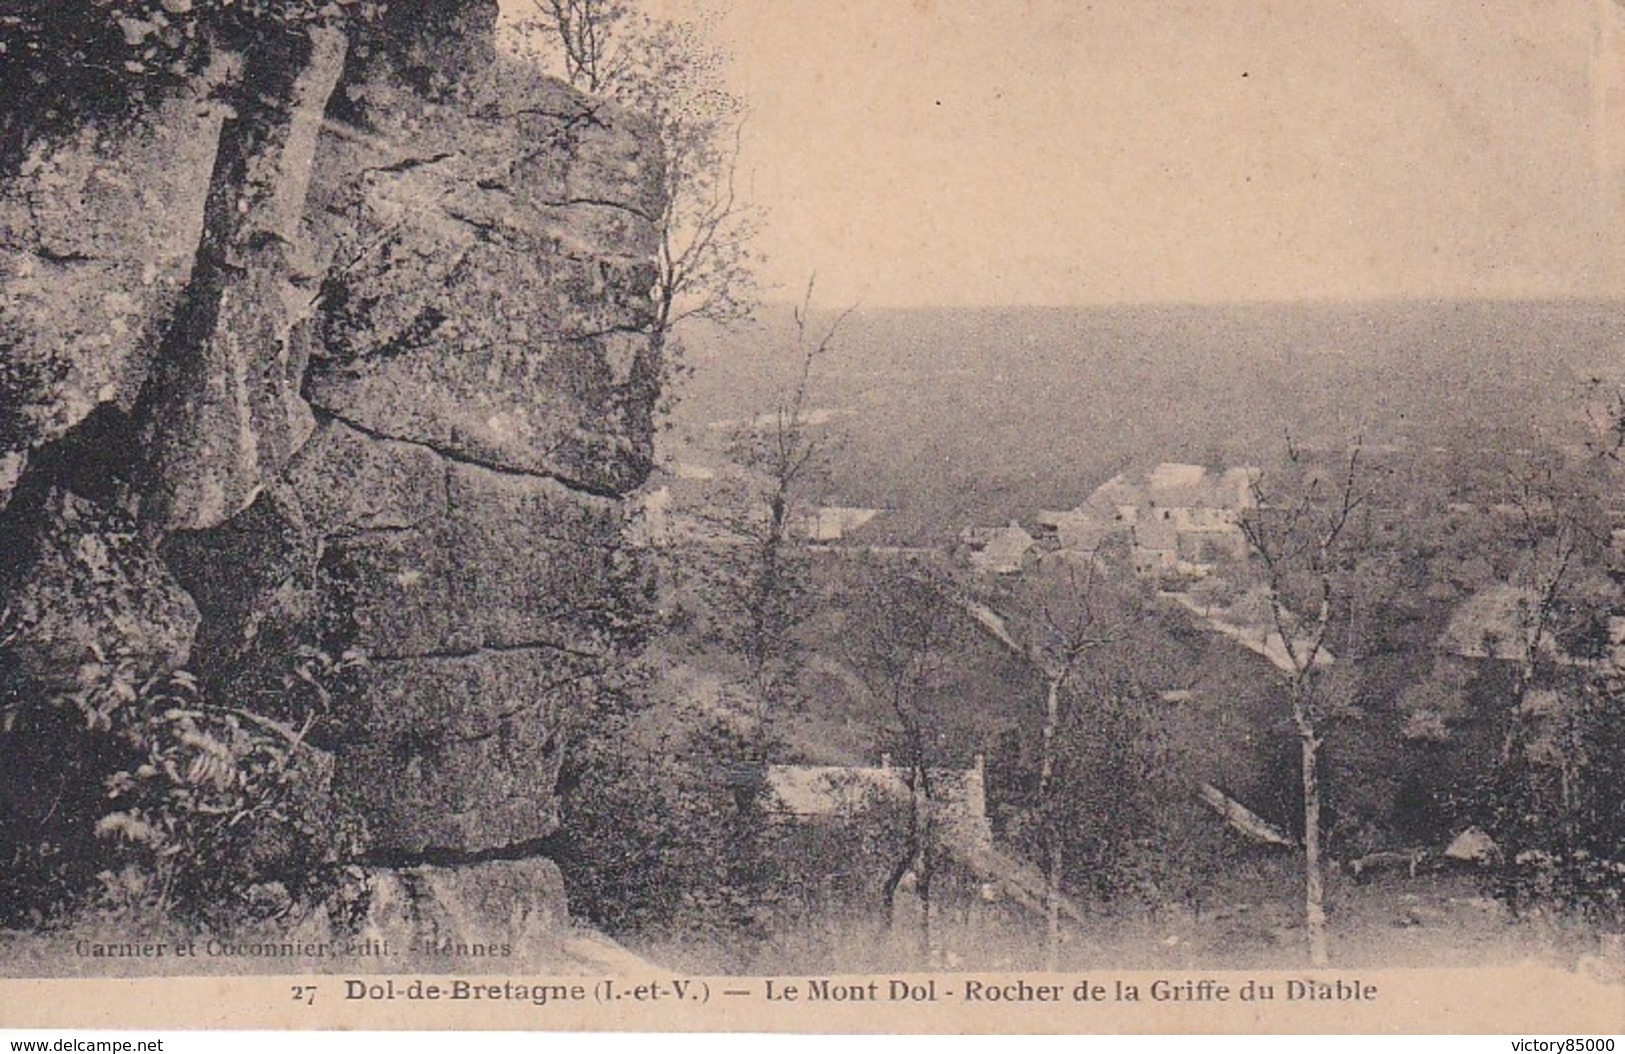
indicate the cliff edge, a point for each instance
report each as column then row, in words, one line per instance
column 325, row 369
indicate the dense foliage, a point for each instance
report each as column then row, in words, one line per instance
column 663, row 835
column 174, row 806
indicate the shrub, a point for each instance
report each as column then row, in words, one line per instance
column 173, row 805
column 216, row 807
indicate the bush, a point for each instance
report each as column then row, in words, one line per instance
column 665, row 839
column 1556, row 808
column 171, row 805
column 216, row 807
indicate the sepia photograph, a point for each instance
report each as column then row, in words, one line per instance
column 774, row 514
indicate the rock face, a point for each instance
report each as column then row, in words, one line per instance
column 98, row 232
column 224, row 412
column 489, row 267
column 372, row 345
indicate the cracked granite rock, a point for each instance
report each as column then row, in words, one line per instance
column 349, row 337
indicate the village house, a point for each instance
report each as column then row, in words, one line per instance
column 1179, row 519
column 983, row 882
column 1079, row 530
column 832, row 523
column 997, row 550
column 814, row 792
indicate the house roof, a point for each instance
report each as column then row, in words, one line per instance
column 997, row 549
column 1173, row 474
column 816, row 791
column 1231, row 489
column 829, row 522
column 1154, row 532
column 1172, row 485
column 831, row 790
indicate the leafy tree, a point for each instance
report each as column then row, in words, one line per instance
column 654, row 841
column 1553, row 802
column 182, row 806
column 667, row 71
column 837, row 865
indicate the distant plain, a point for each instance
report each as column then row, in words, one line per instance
column 953, row 417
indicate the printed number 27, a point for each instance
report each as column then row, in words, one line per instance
column 305, row 993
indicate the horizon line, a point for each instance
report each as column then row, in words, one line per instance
column 1486, row 298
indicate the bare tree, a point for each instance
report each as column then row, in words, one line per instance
column 585, row 32
column 1305, row 545
column 1561, row 643
column 667, row 71
column 1062, row 620
column 784, row 452
column 1604, row 405
column 1549, row 540
column 910, row 625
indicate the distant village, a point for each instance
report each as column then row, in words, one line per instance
column 1180, row 520
column 1180, row 528
column 1180, row 524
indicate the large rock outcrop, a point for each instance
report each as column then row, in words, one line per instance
column 99, row 228
column 357, row 363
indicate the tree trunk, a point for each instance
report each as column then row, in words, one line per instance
column 1052, row 904
column 925, row 821
column 926, row 864
column 906, row 862
column 1314, row 885
column 1052, row 832
column 888, row 890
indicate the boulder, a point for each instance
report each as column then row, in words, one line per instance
column 99, row 228
column 490, row 266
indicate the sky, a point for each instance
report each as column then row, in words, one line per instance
column 1054, row 152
